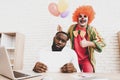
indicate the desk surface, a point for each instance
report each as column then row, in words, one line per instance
column 75, row 76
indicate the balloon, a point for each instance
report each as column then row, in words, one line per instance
column 62, row 5
column 53, row 9
column 64, row 14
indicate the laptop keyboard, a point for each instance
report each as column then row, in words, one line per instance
column 19, row 74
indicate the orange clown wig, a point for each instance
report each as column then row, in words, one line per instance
column 87, row 10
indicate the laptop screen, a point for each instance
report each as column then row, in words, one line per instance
column 6, row 69
column 5, row 65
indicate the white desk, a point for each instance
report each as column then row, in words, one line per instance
column 72, row 76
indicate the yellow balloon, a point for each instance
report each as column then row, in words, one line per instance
column 62, row 5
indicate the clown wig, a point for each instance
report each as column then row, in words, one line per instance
column 87, row 10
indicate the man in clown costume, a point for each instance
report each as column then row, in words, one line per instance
column 84, row 38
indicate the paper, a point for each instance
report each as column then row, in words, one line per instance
column 100, row 79
column 83, row 76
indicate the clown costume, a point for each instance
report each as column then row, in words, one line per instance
column 85, row 38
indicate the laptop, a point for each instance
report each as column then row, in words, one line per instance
column 7, row 71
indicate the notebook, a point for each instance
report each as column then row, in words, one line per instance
column 6, row 69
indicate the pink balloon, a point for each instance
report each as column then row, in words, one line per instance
column 53, row 9
column 64, row 14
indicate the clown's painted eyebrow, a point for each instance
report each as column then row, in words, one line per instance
column 81, row 16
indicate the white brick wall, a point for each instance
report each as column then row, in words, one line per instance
column 109, row 60
column 32, row 18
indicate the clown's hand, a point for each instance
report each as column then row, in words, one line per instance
column 59, row 28
column 84, row 43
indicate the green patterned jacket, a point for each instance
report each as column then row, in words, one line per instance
column 92, row 35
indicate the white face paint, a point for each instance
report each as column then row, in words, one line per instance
column 82, row 20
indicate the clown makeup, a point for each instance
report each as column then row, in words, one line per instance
column 83, row 20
